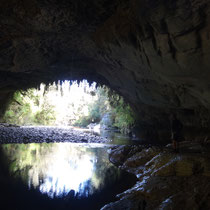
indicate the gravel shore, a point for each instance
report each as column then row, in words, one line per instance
column 38, row 134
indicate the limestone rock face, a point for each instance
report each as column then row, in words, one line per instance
column 167, row 180
column 154, row 53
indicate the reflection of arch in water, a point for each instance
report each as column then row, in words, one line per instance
column 58, row 169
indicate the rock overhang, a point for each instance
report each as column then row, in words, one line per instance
column 154, row 53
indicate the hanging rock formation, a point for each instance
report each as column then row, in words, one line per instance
column 155, row 53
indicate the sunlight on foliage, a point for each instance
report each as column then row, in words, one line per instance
column 69, row 103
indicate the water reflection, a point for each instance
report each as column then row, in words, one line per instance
column 62, row 169
column 115, row 137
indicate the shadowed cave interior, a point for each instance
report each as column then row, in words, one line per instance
column 155, row 54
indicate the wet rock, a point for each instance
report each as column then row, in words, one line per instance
column 119, row 154
column 139, row 159
column 167, row 180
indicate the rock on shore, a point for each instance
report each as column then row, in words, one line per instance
column 167, row 180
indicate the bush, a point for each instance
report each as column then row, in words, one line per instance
column 108, row 102
column 83, row 122
column 20, row 110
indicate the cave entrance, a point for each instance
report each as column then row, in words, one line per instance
column 71, row 104
column 63, row 175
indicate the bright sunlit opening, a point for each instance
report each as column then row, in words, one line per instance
column 68, row 100
column 70, row 103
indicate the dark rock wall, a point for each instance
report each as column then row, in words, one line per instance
column 155, row 53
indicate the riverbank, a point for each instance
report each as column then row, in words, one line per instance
column 39, row 134
column 167, row 180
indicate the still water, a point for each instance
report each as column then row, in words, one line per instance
column 59, row 176
column 118, row 138
column 115, row 137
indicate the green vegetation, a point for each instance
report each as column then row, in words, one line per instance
column 26, row 109
column 124, row 117
column 121, row 112
column 96, row 109
column 18, row 110
column 65, row 104
column 108, row 101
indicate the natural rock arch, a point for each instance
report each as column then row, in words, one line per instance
column 154, row 53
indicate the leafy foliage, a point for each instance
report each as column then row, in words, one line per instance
column 20, row 110
column 109, row 102
column 34, row 107
column 124, row 117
